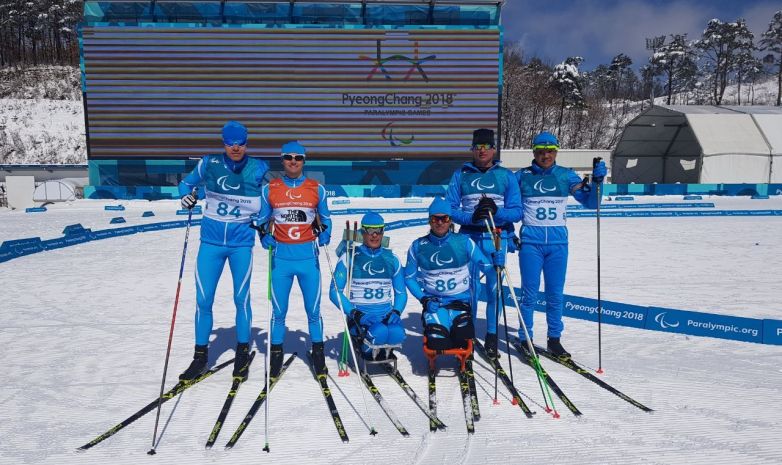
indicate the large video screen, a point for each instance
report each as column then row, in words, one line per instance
column 158, row 91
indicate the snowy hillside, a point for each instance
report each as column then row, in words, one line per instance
column 85, row 330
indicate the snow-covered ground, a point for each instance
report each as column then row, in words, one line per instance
column 84, row 335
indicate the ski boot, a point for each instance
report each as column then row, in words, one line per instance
column 490, row 344
column 319, row 359
column 275, row 361
column 241, row 361
column 555, row 347
column 198, row 365
column 524, row 349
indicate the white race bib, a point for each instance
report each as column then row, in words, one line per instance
column 544, row 211
column 370, row 291
column 231, row 208
column 446, row 282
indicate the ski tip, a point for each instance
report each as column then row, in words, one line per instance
column 151, row 451
column 514, row 401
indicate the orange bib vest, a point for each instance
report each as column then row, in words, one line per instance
column 293, row 210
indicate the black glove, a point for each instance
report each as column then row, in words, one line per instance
column 318, row 227
column 356, row 316
column 482, row 210
column 392, row 318
column 260, row 227
column 189, row 201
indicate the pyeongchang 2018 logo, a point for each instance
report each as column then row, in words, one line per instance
column 379, row 62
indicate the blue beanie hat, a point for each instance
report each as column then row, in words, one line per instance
column 545, row 139
column 372, row 220
column 440, row 206
column 234, row 133
column 293, row 147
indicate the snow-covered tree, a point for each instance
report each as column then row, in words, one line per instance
column 566, row 80
column 676, row 62
column 772, row 42
column 719, row 45
column 621, row 76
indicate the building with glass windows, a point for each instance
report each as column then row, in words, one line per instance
column 382, row 93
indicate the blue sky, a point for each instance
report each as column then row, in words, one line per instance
column 598, row 30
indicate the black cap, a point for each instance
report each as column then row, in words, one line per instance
column 483, row 136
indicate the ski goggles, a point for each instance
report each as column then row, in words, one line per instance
column 483, row 146
column 372, row 230
column 544, row 148
column 292, row 156
column 231, row 143
column 440, row 218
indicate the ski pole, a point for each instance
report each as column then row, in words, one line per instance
column 598, row 184
column 268, row 345
column 496, row 237
column 173, row 320
column 350, row 251
column 325, row 248
column 496, row 244
column 501, row 301
column 531, row 348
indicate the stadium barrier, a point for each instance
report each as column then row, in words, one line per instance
column 757, row 330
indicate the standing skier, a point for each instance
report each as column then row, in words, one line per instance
column 295, row 207
column 545, row 187
column 478, row 188
column 377, row 291
column 232, row 185
column 438, row 273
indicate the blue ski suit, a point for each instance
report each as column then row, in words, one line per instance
column 441, row 267
column 544, row 238
column 377, row 288
column 233, row 192
column 466, row 188
column 295, row 253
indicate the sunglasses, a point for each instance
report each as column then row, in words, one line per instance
column 440, row 218
column 291, row 156
column 483, row 146
column 372, row 231
column 544, row 148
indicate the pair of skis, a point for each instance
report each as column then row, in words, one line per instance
column 181, row 386
column 394, row 374
column 568, row 362
column 472, row 412
column 178, row 388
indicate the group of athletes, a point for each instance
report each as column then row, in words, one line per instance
column 444, row 269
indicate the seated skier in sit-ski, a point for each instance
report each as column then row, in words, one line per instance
column 372, row 277
column 438, row 274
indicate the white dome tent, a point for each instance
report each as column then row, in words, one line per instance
column 57, row 190
column 701, row 144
